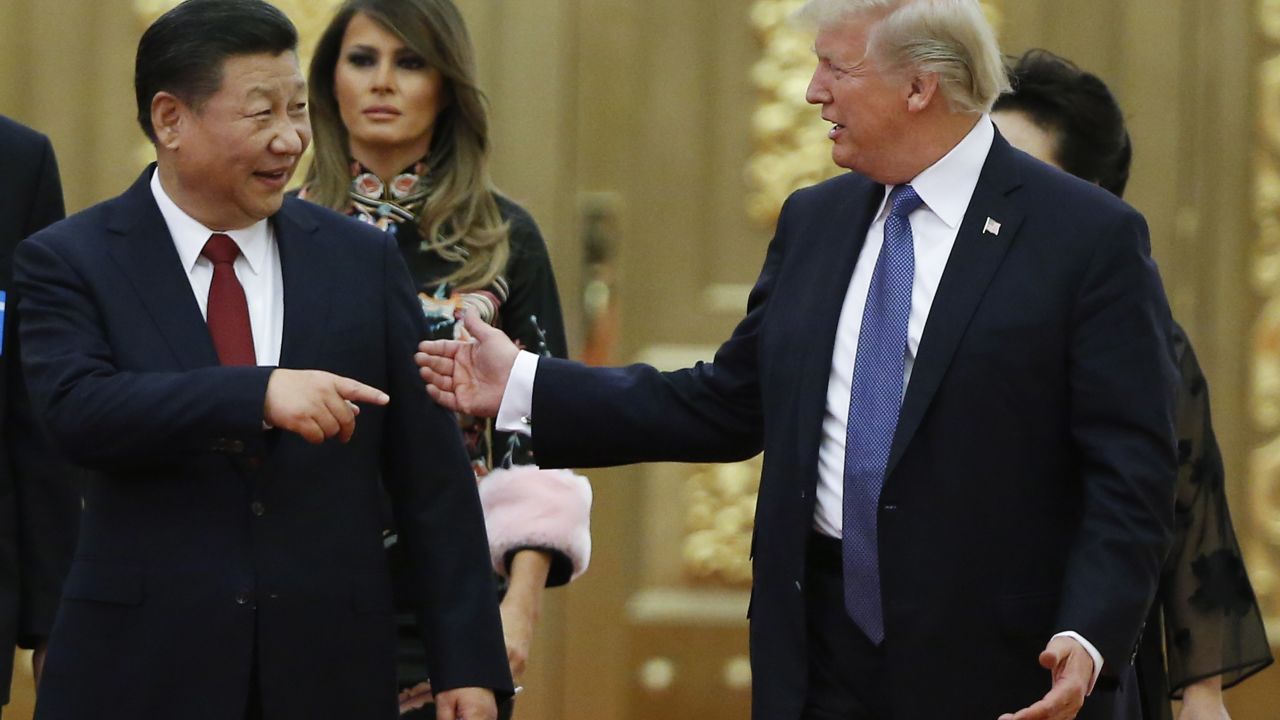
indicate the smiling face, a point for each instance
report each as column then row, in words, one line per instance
column 865, row 102
column 387, row 95
column 227, row 161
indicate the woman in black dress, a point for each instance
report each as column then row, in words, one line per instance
column 1213, row 635
column 401, row 142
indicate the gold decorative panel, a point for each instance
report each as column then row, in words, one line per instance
column 1263, row 509
column 719, row 519
column 789, row 135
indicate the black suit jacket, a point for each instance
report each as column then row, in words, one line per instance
column 209, row 547
column 39, row 492
column 1030, row 485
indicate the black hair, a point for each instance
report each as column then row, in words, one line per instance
column 1079, row 110
column 184, row 50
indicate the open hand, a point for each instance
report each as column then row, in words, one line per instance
column 1072, row 670
column 315, row 404
column 468, row 377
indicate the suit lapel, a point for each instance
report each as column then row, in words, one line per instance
column 308, row 286
column 976, row 256
column 147, row 257
column 831, row 249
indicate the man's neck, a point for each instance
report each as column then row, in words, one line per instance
column 189, row 202
column 939, row 138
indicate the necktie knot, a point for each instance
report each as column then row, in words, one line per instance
column 903, row 201
column 221, row 249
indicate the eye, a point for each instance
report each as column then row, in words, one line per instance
column 298, row 108
column 411, row 62
column 361, row 59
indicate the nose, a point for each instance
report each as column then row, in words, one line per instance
column 817, row 93
column 384, row 77
column 292, row 138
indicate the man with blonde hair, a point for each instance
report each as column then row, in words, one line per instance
column 963, row 395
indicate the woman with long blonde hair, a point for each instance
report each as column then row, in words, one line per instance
column 401, row 141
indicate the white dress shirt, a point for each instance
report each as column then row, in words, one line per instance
column 946, row 187
column 257, row 269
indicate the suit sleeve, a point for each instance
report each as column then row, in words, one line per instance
column 47, row 487
column 102, row 416
column 1122, row 387
column 594, row 417
column 437, row 510
column 47, row 207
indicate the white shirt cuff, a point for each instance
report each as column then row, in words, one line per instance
column 1093, row 653
column 517, row 399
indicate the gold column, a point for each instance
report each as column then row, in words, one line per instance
column 1262, row 512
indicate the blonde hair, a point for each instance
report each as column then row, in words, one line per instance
column 950, row 38
column 460, row 218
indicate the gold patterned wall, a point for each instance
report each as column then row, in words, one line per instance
column 790, row 137
column 1262, row 512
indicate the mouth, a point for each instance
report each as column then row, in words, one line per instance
column 836, row 129
column 274, row 178
column 381, row 112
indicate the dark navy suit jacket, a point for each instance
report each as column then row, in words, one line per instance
column 210, row 548
column 39, row 492
column 1030, row 485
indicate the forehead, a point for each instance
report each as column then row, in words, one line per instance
column 364, row 30
column 261, row 73
column 844, row 39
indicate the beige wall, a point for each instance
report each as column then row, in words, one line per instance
column 648, row 103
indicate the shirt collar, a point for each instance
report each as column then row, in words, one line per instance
column 190, row 235
column 946, row 187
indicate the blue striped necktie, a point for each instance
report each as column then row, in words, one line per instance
column 878, row 372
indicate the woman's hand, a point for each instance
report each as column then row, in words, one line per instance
column 522, row 606
column 415, row 697
column 1203, row 701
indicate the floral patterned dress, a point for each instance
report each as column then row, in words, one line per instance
column 522, row 301
column 1205, row 620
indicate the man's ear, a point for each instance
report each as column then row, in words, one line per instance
column 168, row 117
column 923, row 91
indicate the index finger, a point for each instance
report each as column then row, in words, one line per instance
column 446, row 348
column 356, row 391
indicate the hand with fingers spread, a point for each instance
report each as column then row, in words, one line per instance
column 468, row 703
column 1072, row 670
column 315, row 404
column 468, row 377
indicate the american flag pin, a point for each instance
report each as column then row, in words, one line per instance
column 992, row 227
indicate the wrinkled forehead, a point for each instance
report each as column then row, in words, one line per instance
column 262, row 75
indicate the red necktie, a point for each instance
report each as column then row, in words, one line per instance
column 228, row 311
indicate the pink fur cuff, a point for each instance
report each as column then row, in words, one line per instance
column 527, row 507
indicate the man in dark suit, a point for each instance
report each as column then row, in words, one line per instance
column 39, row 495
column 956, row 362
column 231, row 561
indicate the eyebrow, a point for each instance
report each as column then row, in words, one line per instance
column 270, row 90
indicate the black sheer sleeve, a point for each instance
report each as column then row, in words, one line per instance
column 531, row 314
column 1212, row 622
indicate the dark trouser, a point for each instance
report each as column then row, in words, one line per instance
column 846, row 671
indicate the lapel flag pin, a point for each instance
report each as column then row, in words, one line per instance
column 992, row 227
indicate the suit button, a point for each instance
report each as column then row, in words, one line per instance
column 258, row 508
column 236, row 446
column 889, row 508
column 244, row 597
